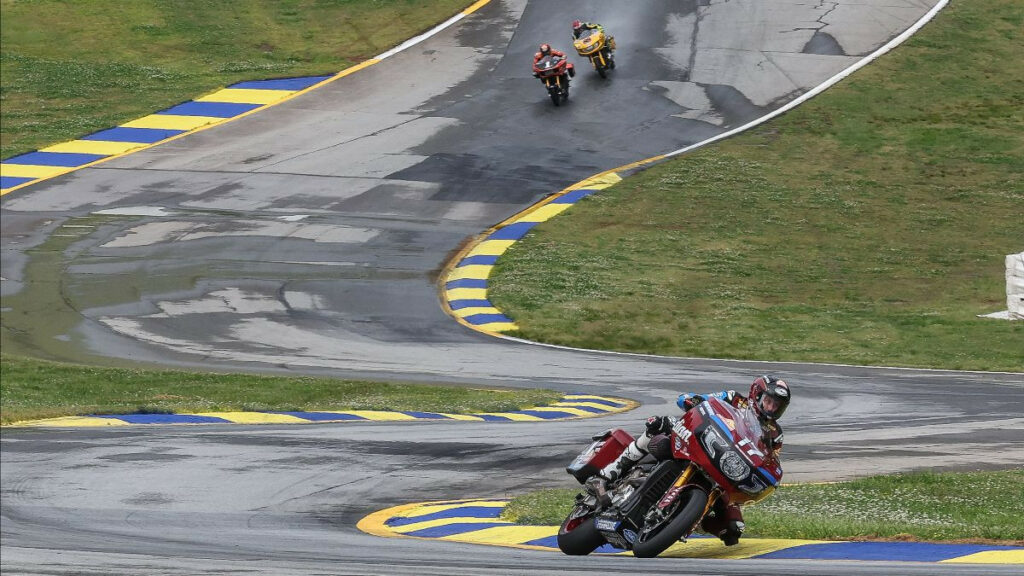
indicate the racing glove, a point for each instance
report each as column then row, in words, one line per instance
column 690, row 400
column 658, row 425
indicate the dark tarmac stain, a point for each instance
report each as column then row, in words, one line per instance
column 479, row 178
column 260, row 158
column 160, row 186
column 83, row 466
column 823, row 43
column 47, row 446
column 222, row 189
column 731, row 104
column 148, row 499
column 431, row 449
column 264, row 441
column 303, row 461
column 498, row 461
column 144, row 457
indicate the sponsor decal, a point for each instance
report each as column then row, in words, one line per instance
column 749, row 449
column 669, row 497
column 713, row 442
column 606, row 524
column 630, row 535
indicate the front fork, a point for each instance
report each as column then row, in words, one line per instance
column 686, row 478
column 555, row 82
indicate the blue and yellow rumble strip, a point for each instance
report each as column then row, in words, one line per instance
column 571, row 406
column 464, row 287
column 480, row 522
column 227, row 104
column 465, row 284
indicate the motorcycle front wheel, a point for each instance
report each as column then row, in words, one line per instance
column 578, row 536
column 656, row 535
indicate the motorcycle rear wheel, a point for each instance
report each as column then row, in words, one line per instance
column 657, row 539
column 581, row 539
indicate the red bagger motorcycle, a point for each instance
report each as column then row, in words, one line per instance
column 554, row 72
column 715, row 450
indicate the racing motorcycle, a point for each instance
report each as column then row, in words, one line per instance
column 596, row 46
column 554, row 72
column 715, row 450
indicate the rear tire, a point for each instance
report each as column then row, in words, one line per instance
column 581, row 540
column 692, row 506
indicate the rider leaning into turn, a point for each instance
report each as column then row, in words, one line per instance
column 769, row 397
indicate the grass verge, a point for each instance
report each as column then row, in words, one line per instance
column 31, row 389
column 926, row 506
column 71, row 68
column 867, row 226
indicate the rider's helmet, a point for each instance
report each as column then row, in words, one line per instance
column 545, row 49
column 769, row 397
column 576, row 25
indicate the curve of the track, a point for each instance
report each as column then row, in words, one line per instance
column 308, row 238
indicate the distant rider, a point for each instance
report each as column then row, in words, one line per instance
column 579, row 27
column 547, row 50
column 769, row 397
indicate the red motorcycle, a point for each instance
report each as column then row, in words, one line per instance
column 715, row 450
column 554, row 72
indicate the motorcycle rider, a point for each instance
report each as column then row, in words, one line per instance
column 769, row 397
column 578, row 27
column 546, row 50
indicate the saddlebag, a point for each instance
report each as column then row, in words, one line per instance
column 601, row 453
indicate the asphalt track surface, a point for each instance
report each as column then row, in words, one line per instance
column 308, row 239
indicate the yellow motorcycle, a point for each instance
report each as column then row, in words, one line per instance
column 597, row 46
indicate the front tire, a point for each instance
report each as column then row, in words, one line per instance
column 658, row 538
column 579, row 536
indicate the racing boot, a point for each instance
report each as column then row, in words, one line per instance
column 725, row 521
column 598, row 483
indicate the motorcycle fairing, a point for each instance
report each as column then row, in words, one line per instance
column 718, row 438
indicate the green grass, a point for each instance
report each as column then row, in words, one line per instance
column 69, row 68
column 928, row 506
column 867, row 226
column 32, row 389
